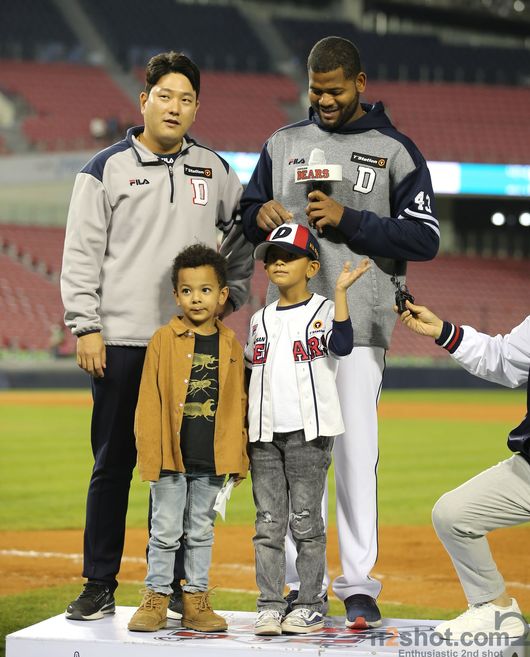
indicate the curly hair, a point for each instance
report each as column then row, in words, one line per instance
column 199, row 255
column 334, row 52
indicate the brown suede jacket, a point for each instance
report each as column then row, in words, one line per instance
column 163, row 390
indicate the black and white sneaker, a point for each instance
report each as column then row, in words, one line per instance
column 94, row 602
column 176, row 606
column 303, row 621
column 292, row 597
column 362, row 612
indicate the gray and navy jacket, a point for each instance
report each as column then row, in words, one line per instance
column 318, row 342
column 389, row 208
column 130, row 214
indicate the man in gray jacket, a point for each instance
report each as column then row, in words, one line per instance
column 381, row 206
column 134, row 206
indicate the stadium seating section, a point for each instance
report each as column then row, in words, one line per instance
column 215, row 37
column 486, row 293
column 40, row 247
column 62, row 99
column 30, row 307
column 456, row 102
column 35, row 30
column 240, row 110
column 459, row 122
column 412, row 57
column 448, row 121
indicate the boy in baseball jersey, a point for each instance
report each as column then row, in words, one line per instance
column 190, row 432
column 294, row 413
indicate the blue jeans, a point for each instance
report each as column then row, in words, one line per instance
column 289, row 468
column 182, row 504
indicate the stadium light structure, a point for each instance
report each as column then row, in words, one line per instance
column 524, row 219
column 498, row 219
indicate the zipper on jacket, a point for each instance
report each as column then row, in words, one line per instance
column 170, row 171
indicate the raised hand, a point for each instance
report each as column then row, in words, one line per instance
column 348, row 276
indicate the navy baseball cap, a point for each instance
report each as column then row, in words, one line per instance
column 290, row 237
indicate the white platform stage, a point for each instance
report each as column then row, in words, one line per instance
column 109, row 637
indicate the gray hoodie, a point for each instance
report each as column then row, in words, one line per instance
column 130, row 214
column 389, row 209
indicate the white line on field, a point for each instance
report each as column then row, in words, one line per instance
column 33, row 554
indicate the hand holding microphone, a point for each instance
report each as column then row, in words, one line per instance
column 321, row 210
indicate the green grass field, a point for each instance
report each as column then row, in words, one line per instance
column 46, row 464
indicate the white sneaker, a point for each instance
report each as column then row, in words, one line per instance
column 303, row 621
column 268, row 623
column 485, row 618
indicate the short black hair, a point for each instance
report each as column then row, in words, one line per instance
column 334, row 52
column 199, row 255
column 171, row 62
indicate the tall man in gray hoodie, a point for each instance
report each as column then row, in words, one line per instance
column 134, row 206
column 383, row 207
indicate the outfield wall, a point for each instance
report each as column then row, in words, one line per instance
column 66, row 374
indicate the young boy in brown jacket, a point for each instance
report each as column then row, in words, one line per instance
column 190, row 433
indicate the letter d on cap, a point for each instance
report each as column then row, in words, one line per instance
column 282, row 232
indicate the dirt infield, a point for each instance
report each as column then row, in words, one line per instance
column 413, row 566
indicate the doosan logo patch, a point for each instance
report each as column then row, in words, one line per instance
column 197, row 172
column 372, row 160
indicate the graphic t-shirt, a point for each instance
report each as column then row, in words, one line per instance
column 198, row 423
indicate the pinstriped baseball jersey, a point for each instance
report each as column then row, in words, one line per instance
column 316, row 369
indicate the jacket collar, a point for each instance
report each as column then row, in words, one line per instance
column 373, row 119
column 180, row 328
column 146, row 157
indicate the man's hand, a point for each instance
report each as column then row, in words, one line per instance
column 421, row 320
column 348, row 276
column 323, row 211
column 271, row 215
column 91, row 355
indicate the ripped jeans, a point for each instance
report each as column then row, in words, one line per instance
column 289, row 469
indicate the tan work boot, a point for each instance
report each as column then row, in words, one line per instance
column 199, row 615
column 151, row 615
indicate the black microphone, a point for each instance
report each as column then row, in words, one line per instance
column 319, row 176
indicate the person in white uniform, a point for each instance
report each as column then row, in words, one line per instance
column 497, row 497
